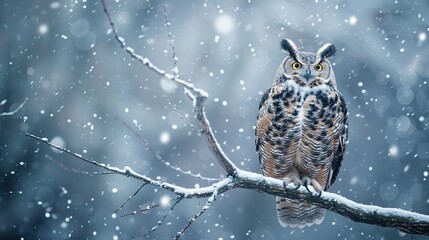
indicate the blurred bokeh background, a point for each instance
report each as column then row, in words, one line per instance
column 61, row 56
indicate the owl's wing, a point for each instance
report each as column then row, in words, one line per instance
column 261, row 116
column 341, row 147
column 263, row 146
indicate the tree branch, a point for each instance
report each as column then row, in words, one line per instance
column 198, row 96
column 405, row 221
column 14, row 111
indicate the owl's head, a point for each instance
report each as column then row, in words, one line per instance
column 307, row 68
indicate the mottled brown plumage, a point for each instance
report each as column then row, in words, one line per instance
column 301, row 130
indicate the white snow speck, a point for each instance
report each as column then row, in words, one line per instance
column 167, row 85
column 354, row 180
column 165, row 201
column 224, row 24
column 57, row 141
column 353, row 20
column 54, row 5
column 216, row 38
column 406, row 168
column 422, row 37
column 43, row 29
column 393, row 151
column 164, row 137
column 64, row 225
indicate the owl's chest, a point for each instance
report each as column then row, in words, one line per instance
column 296, row 110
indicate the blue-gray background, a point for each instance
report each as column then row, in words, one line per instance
column 60, row 55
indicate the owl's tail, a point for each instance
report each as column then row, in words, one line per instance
column 296, row 213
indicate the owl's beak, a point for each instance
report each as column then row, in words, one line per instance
column 307, row 74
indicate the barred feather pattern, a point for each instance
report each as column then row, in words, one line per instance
column 296, row 213
column 301, row 131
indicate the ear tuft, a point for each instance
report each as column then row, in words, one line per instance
column 290, row 47
column 326, row 51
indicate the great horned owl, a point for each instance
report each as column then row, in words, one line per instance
column 301, row 130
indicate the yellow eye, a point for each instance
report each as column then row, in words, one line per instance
column 318, row 67
column 296, row 65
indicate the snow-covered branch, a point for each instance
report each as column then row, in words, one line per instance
column 405, row 221
column 198, row 96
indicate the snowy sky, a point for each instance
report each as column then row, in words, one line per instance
column 61, row 56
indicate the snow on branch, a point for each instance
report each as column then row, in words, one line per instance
column 402, row 220
column 198, row 96
column 14, row 111
column 405, row 221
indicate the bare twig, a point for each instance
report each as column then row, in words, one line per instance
column 171, row 41
column 157, row 156
column 148, row 208
column 14, row 111
column 177, row 200
column 197, row 215
column 65, row 168
column 129, row 172
column 129, row 198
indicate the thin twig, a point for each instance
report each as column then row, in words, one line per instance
column 129, row 172
column 129, row 198
column 14, row 111
column 148, row 208
column 65, row 168
column 157, row 156
column 177, row 200
column 197, row 215
column 171, row 41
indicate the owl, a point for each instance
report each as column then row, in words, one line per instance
column 301, row 130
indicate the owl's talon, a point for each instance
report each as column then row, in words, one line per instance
column 292, row 179
column 308, row 190
column 306, row 181
column 316, row 186
column 298, row 185
column 320, row 194
column 284, row 185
